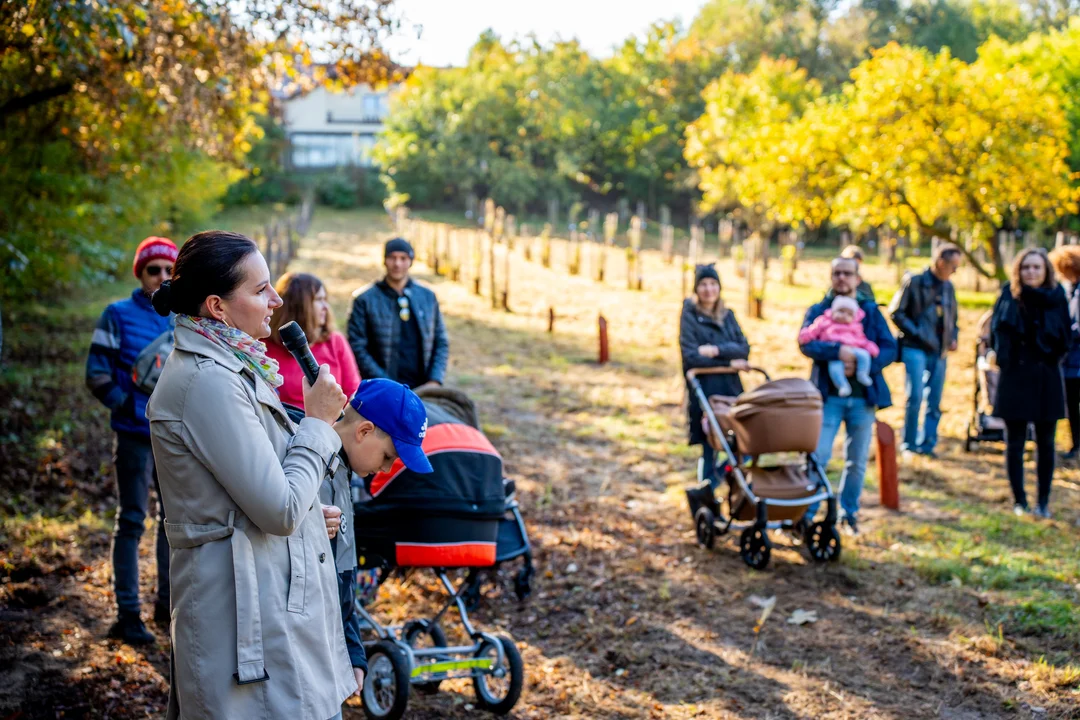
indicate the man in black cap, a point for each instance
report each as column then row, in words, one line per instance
column 396, row 330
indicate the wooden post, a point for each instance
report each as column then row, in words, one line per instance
column 611, row 226
column 751, row 250
column 551, row 319
column 491, row 272
column 633, row 255
column 506, row 281
column 603, row 340
column 545, row 245
column 477, row 244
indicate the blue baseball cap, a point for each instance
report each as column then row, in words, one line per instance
column 398, row 412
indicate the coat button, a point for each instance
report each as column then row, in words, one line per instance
column 322, row 557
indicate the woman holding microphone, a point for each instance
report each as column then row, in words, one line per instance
column 256, row 624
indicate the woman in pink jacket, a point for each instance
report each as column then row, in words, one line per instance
column 304, row 300
column 843, row 324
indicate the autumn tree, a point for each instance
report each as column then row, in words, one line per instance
column 116, row 117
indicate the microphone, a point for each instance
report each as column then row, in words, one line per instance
column 295, row 341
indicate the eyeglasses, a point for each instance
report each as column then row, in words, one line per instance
column 155, row 270
column 403, row 308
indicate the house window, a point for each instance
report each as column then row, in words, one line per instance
column 375, row 107
column 326, row 150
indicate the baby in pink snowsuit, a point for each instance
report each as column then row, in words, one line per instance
column 843, row 324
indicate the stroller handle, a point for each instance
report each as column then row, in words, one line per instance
column 691, row 374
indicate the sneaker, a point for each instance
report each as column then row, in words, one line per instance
column 851, row 524
column 1020, row 510
column 129, row 628
column 1042, row 511
column 162, row 614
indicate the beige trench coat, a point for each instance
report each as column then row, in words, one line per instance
column 256, row 620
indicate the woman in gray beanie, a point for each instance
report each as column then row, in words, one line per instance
column 710, row 336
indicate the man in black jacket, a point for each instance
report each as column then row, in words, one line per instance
column 396, row 330
column 924, row 311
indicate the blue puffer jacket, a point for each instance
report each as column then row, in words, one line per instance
column 124, row 329
column 822, row 353
column 1071, row 364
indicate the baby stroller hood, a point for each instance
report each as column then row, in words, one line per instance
column 778, row 416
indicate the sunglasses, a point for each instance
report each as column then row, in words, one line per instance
column 403, row 308
column 155, row 270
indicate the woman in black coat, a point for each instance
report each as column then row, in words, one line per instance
column 710, row 336
column 1030, row 332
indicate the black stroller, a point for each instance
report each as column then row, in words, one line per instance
column 463, row 515
column 983, row 426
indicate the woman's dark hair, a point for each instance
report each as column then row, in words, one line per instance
column 208, row 264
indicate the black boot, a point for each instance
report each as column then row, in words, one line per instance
column 129, row 628
column 162, row 614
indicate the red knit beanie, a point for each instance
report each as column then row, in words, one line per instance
column 153, row 248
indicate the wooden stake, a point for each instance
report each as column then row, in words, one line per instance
column 602, row 322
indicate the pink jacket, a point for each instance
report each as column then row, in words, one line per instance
column 825, row 329
column 334, row 351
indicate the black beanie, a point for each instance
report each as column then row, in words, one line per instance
column 705, row 271
column 399, row 245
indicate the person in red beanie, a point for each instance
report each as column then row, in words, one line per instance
column 129, row 344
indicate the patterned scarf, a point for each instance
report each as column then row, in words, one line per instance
column 250, row 351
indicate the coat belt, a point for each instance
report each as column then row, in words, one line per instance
column 250, row 660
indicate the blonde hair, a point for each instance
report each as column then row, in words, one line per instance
column 298, row 291
column 1016, row 285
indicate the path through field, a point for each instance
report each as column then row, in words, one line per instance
column 630, row 617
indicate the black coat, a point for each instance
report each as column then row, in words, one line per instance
column 1030, row 338
column 915, row 314
column 695, row 330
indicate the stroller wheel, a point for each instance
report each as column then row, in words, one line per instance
column 704, row 525
column 423, row 634
column 386, row 687
column 498, row 690
column 754, row 547
column 823, row 542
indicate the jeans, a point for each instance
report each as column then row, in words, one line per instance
column 1015, row 439
column 862, row 372
column 925, row 376
column 858, row 420
column 708, row 460
column 135, row 475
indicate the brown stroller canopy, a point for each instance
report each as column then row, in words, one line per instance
column 777, row 416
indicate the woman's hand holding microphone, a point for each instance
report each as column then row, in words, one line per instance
column 325, row 400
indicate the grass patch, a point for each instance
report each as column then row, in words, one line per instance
column 1028, row 568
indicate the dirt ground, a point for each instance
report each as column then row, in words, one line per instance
column 952, row 608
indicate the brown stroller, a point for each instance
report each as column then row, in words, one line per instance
column 781, row 416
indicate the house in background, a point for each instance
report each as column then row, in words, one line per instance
column 325, row 129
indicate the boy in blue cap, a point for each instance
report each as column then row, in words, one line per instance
column 383, row 421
